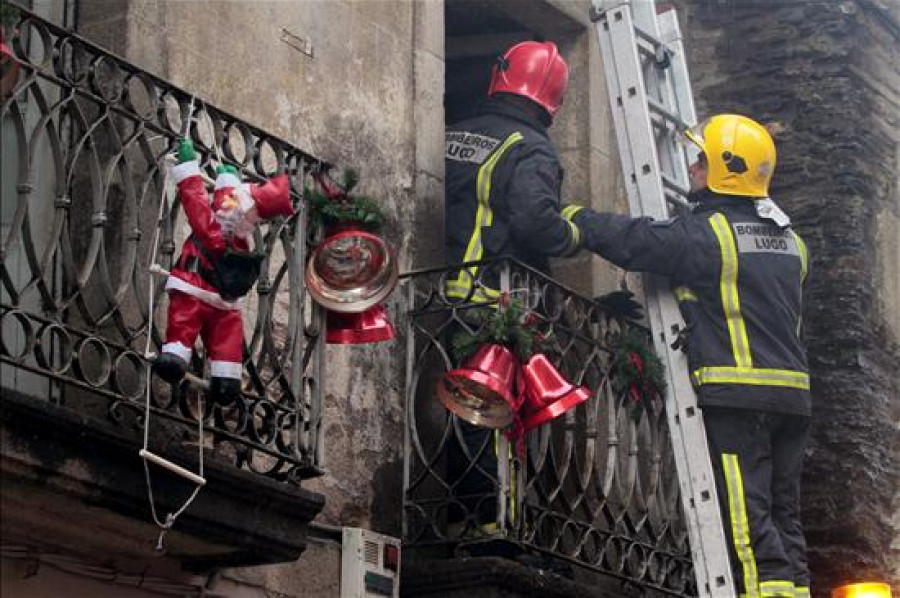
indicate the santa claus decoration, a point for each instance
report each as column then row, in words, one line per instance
column 215, row 269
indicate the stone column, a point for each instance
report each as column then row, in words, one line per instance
column 829, row 73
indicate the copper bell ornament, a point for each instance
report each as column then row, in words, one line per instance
column 370, row 326
column 547, row 393
column 351, row 271
column 481, row 392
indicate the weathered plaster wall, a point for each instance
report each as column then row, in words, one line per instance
column 352, row 102
column 370, row 96
column 828, row 72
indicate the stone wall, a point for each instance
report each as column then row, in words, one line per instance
column 829, row 73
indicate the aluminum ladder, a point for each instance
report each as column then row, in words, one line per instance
column 651, row 100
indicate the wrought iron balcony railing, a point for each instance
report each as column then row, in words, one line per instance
column 597, row 486
column 86, row 205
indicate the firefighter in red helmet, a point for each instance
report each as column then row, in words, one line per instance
column 503, row 180
column 503, row 176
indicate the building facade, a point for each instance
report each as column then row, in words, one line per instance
column 371, row 85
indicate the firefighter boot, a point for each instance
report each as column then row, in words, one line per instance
column 170, row 367
column 224, row 391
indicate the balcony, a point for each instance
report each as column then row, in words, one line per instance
column 87, row 209
column 596, row 492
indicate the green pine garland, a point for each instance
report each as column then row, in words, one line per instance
column 503, row 324
column 648, row 380
column 346, row 208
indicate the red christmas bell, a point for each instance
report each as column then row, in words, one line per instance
column 9, row 69
column 370, row 326
column 547, row 393
column 351, row 270
column 481, row 392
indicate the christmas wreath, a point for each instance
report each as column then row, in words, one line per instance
column 638, row 374
column 506, row 325
column 334, row 205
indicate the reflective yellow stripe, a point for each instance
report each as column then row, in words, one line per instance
column 776, row 588
column 804, row 270
column 755, row 376
column 731, row 303
column 684, row 294
column 576, row 235
column 484, row 216
column 804, row 256
column 740, row 527
column 481, row 294
column 569, row 211
column 801, row 592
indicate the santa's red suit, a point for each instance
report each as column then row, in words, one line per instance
column 195, row 305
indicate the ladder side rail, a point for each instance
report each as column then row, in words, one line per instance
column 611, row 66
column 712, row 567
column 688, row 436
column 646, row 29
column 683, row 96
column 668, row 88
column 662, row 103
column 630, row 112
column 616, row 38
column 640, row 157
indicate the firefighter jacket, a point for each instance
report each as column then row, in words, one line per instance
column 738, row 279
column 503, row 182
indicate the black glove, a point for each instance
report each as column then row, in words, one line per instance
column 621, row 304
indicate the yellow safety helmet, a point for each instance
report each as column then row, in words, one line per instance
column 740, row 153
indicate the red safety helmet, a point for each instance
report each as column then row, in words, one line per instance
column 534, row 70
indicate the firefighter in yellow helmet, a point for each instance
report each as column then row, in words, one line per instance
column 738, row 270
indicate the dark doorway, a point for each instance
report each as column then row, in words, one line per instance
column 477, row 32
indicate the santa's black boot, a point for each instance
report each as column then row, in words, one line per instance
column 224, row 391
column 170, row 367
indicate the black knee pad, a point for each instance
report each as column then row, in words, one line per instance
column 224, row 391
column 170, row 367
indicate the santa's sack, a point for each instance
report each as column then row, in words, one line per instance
column 234, row 273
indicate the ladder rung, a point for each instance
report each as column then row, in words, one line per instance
column 196, row 381
column 646, row 49
column 646, row 37
column 673, row 185
column 176, row 469
column 668, row 115
column 678, row 200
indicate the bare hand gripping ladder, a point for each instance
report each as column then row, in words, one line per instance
column 651, row 100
